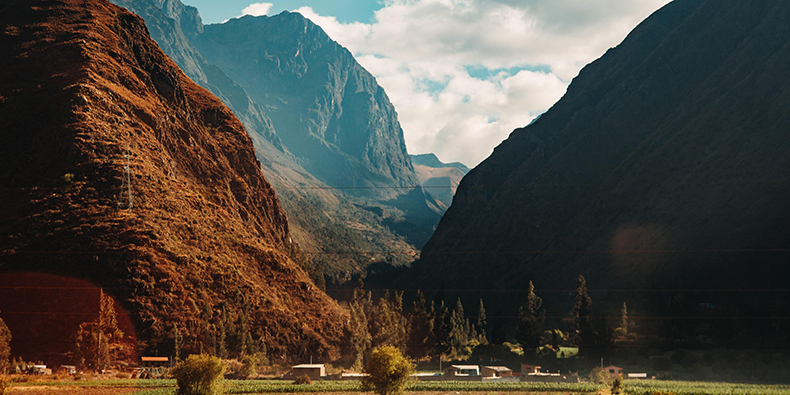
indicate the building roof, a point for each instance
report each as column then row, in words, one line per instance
column 155, row 359
column 464, row 366
column 309, row 366
column 499, row 368
column 612, row 366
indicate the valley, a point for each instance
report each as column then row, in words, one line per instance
column 243, row 191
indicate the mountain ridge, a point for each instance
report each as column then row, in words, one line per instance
column 321, row 213
column 119, row 170
column 660, row 168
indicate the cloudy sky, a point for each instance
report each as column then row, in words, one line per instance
column 463, row 74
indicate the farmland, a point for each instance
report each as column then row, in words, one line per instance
column 167, row 387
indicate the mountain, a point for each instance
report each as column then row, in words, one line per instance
column 431, row 160
column 346, row 223
column 439, row 179
column 117, row 169
column 328, row 110
column 664, row 167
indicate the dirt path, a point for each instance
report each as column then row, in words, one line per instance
column 58, row 390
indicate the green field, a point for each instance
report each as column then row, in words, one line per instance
column 632, row 387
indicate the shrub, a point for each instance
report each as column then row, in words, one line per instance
column 198, row 375
column 617, row 384
column 4, row 384
column 599, row 376
column 303, row 379
column 388, row 371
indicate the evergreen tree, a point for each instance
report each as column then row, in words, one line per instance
column 177, row 340
column 624, row 318
column 388, row 326
column 108, row 322
column 442, row 328
column 530, row 321
column 482, row 336
column 459, row 329
column 586, row 336
column 5, row 347
column 421, row 337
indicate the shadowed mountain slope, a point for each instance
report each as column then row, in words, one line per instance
column 664, row 166
column 118, row 169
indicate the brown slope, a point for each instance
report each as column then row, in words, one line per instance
column 85, row 92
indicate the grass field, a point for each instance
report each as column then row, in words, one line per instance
column 167, row 387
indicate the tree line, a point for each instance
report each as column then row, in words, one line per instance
column 438, row 330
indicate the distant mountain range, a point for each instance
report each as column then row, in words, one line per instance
column 117, row 169
column 325, row 132
column 439, row 179
column 664, row 167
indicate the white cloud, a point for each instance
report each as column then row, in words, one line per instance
column 463, row 74
column 257, row 9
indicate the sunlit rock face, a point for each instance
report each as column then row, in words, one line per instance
column 119, row 170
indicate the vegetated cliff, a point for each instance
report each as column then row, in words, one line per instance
column 663, row 167
column 438, row 178
column 342, row 233
column 118, row 169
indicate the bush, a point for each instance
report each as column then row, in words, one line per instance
column 388, row 371
column 303, row 379
column 4, row 384
column 617, row 384
column 198, row 375
column 599, row 376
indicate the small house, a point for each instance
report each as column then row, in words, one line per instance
column 497, row 371
column 527, row 369
column 154, row 362
column 462, row 371
column 613, row 371
column 313, row 371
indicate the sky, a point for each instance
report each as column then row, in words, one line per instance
column 463, row 74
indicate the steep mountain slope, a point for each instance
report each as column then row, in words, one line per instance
column 324, row 221
column 664, row 166
column 439, row 179
column 330, row 112
column 118, row 169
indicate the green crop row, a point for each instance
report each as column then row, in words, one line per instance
column 652, row 387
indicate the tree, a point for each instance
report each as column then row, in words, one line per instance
column 388, row 371
column 622, row 330
column 421, row 337
column 482, row 324
column 94, row 339
column 581, row 313
column 198, row 375
column 459, row 329
column 387, row 324
column 530, row 321
column 108, row 322
column 177, row 340
column 441, row 327
column 5, row 347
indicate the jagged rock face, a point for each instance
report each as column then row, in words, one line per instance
column 328, row 110
column 664, row 166
column 345, row 234
column 118, row 169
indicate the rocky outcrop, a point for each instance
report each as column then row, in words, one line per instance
column 366, row 219
column 118, row 169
